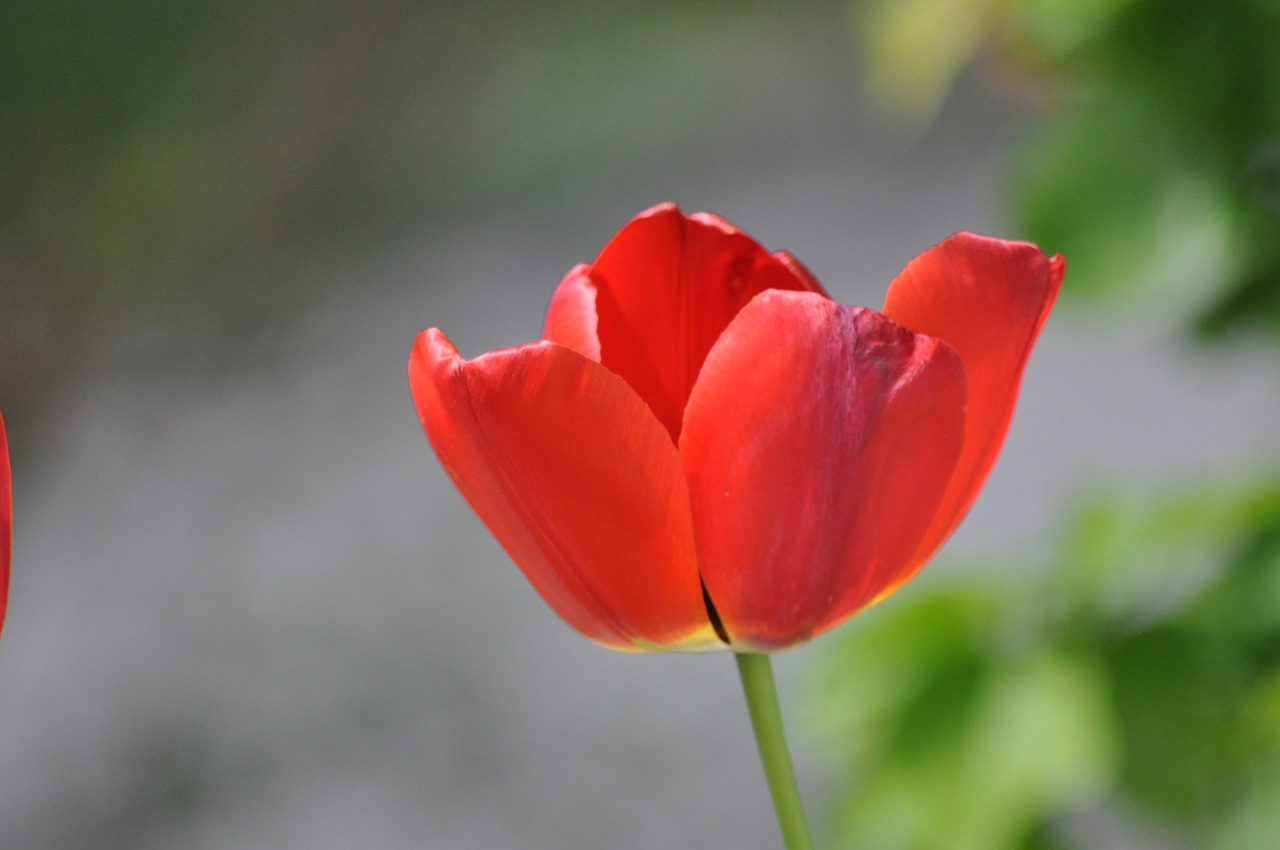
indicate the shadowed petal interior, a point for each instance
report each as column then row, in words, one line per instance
column 571, row 317
column 668, row 285
column 987, row 298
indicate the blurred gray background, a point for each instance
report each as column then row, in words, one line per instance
column 248, row 610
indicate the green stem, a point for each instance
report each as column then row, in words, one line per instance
column 766, row 720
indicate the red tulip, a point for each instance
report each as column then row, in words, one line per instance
column 706, row 451
column 6, row 522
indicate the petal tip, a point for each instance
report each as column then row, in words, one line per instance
column 430, row 347
column 1057, row 270
column 665, row 208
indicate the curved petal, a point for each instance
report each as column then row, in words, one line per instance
column 988, row 298
column 578, row 482
column 802, row 273
column 817, row 444
column 667, row 287
column 6, row 522
column 571, row 317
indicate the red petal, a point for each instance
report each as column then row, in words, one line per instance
column 6, row 522
column 571, row 317
column 988, row 299
column 577, row 481
column 668, row 285
column 802, row 273
column 817, row 444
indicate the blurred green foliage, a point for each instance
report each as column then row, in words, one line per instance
column 1156, row 170
column 1135, row 672
column 1131, row 681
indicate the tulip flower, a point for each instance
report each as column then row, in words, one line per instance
column 705, row 451
column 6, row 522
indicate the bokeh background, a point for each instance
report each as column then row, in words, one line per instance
column 247, row 608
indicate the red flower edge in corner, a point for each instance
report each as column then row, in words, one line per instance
column 705, row 451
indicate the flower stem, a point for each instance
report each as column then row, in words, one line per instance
column 766, row 720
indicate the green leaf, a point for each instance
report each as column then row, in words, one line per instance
column 1176, row 700
column 952, row 728
column 1108, row 186
column 1017, row 742
column 1130, row 558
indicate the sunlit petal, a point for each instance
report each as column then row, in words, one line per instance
column 576, row 479
column 817, row 442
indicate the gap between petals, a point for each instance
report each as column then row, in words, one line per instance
column 712, row 614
